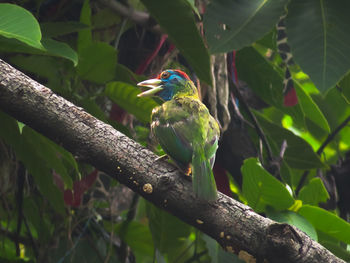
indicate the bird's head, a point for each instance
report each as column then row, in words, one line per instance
column 168, row 84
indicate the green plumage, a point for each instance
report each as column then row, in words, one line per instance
column 188, row 134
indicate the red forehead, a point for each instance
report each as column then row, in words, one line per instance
column 181, row 73
column 175, row 71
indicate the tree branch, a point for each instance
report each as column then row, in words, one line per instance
column 234, row 225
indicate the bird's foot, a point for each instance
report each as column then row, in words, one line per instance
column 188, row 171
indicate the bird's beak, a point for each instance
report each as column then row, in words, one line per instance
column 154, row 84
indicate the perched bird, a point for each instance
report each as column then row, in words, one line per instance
column 185, row 129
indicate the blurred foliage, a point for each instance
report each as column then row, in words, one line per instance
column 89, row 53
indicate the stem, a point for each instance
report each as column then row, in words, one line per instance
column 256, row 125
column 329, row 138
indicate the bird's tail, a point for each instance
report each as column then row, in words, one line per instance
column 202, row 176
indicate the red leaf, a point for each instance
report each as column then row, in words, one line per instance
column 290, row 99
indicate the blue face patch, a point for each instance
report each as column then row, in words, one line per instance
column 169, row 85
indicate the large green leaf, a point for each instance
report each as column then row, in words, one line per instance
column 310, row 108
column 176, row 18
column 294, row 219
column 234, row 24
column 168, row 232
column 60, row 49
column 314, row 192
column 253, row 68
column 125, row 95
column 50, row 48
column 299, row 154
column 260, row 188
column 319, row 36
column 97, row 62
column 326, row 222
column 17, row 22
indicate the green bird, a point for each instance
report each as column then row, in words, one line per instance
column 185, row 129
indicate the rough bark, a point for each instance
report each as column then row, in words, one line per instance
column 234, row 225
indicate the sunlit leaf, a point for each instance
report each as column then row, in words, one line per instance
column 17, row 22
column 314, row 192
column 326, row 222
column 260, row 188
column 125, row 95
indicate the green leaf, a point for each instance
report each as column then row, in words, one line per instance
column 299, row 154
column 26, row 148
column 17, row 22
column 253, row 68
column 319, row 36
column 41, row 173
column 51, row 48
column 97, row 62
column 293, row 219
column 177, row 19
column 168, row 232
column 314, row 192
column 337, row 250
column 260, row 188
column 47, row 153
column 125, row 95
column 310, row 108
column 60, row 49
column 55, row 29
column 234, row 24
column 139, row 238
column 85, row 35
column 344, row 85
column 326, row 222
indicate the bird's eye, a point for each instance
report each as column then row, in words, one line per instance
column 165, row 75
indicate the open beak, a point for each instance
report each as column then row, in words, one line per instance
column 154, row 84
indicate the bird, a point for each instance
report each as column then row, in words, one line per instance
column 184, row 128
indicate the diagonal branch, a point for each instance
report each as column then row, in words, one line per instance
column 234, row 225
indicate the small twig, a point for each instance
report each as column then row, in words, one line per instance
column 283, row 149
column 329, row 138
